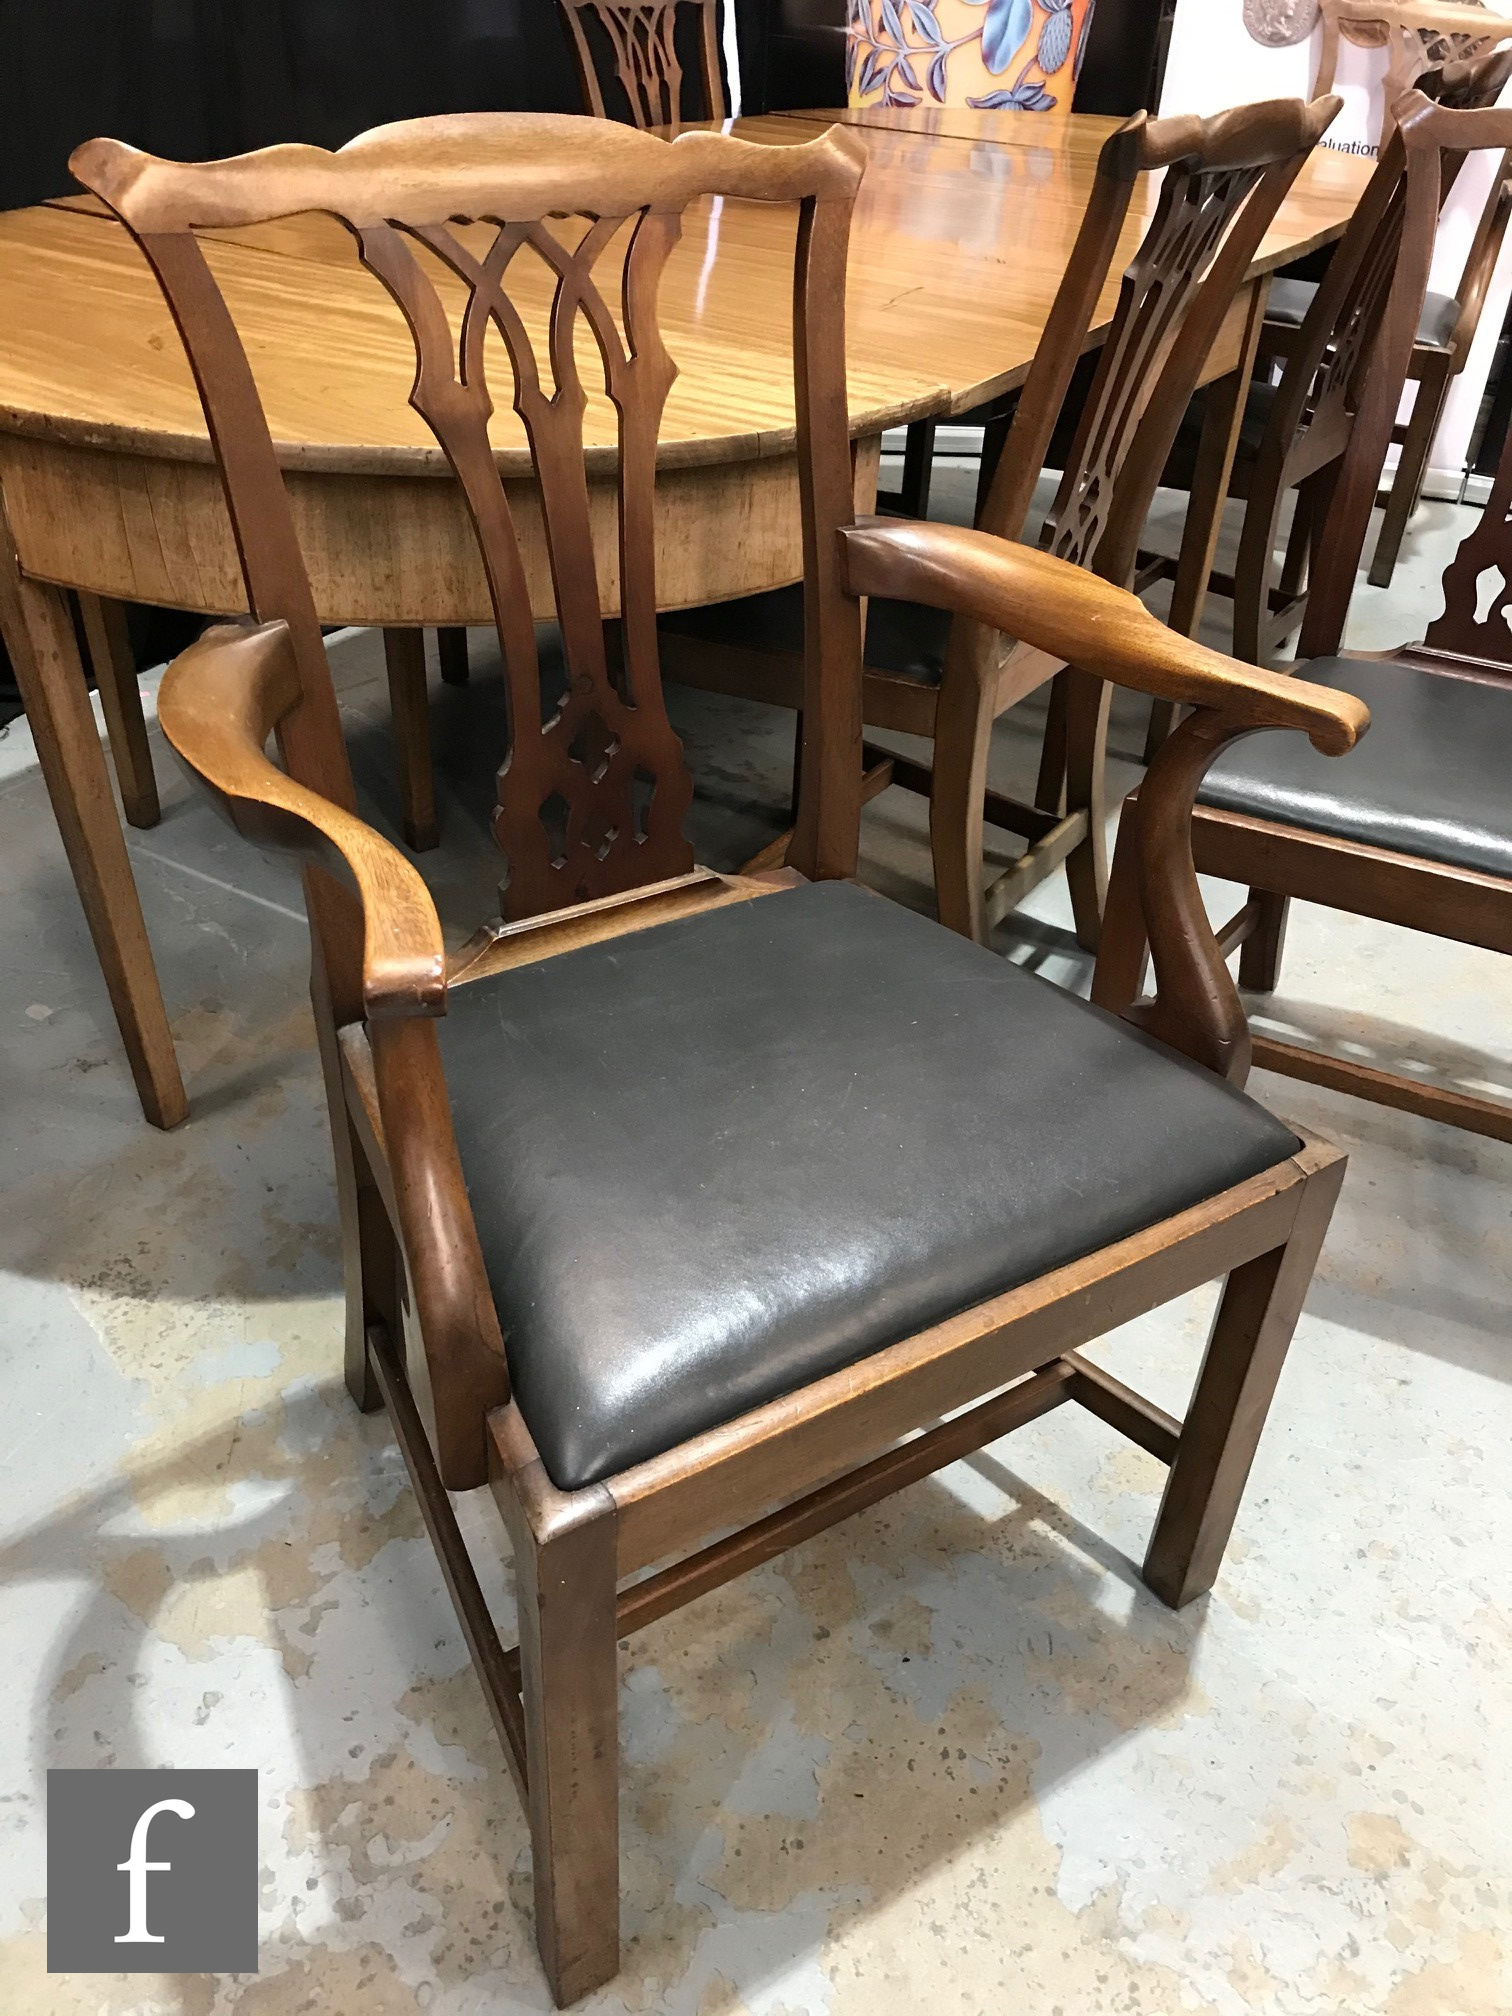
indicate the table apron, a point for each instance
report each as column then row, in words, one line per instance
column 383, row 549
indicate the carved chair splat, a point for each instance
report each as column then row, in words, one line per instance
column 1418, row 831
column 427, row 1305
column 639, row 37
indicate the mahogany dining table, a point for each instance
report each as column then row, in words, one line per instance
column 108, row 487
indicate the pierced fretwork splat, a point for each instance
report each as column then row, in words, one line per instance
column 1158, row 291
column 1476, row 620
column 645, row 60
column 640, row 40
column 574, row 816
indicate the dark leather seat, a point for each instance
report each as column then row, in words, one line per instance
column 1432, row 778
column 901, row 637
column 712, row 1161
column 1289, row 301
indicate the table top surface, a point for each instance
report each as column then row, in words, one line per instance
column 962, row 232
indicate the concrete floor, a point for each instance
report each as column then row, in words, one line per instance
column 951, row 1752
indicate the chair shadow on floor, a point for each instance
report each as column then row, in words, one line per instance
column 822, row 1736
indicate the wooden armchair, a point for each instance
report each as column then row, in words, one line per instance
column 1224, row 180
column 639, row 39
column 620, row 1242
column 1418, row 829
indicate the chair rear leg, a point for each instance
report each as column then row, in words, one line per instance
column 409, row 703
column 1299, row 541
column 1252, row 573
column 1246, row 1349
column 113, row 662
column 918, row 467
column 1260, row 955
column 451, row 648
column 1428, row 403
column 569, row 1673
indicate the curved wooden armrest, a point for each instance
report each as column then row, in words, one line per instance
column 219, row 702
column 1084, row 621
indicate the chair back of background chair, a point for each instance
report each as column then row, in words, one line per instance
column 1224, row 180
column 1435, row 139
column 639, row 37
column 461, row 220
column 1461, row 631
column 1418, row 35
column 1323, row 378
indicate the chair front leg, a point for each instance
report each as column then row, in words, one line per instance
column 565, row 1580
column 1088, row 703
column 1123, row 950
column 1050, row 785
column 1246, row 1349
column 964, row 714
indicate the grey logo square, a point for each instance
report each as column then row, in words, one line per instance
column 152, row 1872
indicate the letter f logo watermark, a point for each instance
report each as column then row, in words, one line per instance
column 199, row 1919
column 137, row 1867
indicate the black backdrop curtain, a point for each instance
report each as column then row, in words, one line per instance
column 198, row 78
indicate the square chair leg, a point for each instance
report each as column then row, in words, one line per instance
column 1246, row 1349
column 569, row 1671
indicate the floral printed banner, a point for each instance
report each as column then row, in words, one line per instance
column 997, row 55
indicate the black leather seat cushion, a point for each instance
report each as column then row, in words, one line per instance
column 901, row 637
column 712, row 1161
column 1432, row 777
column 1289, row 301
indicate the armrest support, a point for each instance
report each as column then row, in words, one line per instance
column 219, row 702
column 1099, row 629
column 1084, row 621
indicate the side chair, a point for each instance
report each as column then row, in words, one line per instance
column 1417, row 828
column 621, row 1243
column 949, row 680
